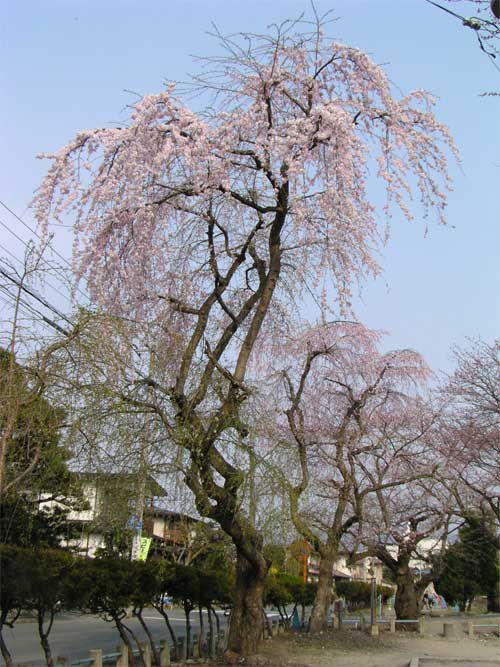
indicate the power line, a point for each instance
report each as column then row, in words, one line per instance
column 10, row 253
column 13, row 233
column 24, row 306
column 26, row 245
column 34, row 294
column 16, row 236
column 31, row 310
column 20, row 261
column 35, row 233
column 41, row 299
column 28, row 307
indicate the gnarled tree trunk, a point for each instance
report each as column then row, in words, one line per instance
column 245, row 628
column 126, row 635
column 323, row 599
column 160, row 608
column 44, row 635
column 154, row 651
column 406, row 603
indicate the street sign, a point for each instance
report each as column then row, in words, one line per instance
column 134, row 523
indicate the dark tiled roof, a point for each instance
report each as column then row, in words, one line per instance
column 162, row 511
column 152, row 486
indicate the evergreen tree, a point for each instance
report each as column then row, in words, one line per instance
column 470, row 566
column 39, row 489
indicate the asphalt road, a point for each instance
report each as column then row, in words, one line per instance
column 73, row 635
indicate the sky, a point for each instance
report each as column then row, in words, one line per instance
column 67, row 64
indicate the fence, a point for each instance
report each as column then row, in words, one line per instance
column 121, row 657
column 492, row 627
column 449, row 628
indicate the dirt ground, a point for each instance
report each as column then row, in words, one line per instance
column 351, row 648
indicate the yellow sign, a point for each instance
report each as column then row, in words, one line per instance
column 144, row 545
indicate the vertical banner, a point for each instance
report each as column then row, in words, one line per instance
column 144, row 545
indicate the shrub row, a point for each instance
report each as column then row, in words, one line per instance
column 44, row 582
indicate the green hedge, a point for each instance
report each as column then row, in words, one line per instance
column 357, row 593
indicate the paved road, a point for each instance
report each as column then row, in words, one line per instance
column 74, row 635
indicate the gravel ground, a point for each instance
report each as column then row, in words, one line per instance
column 356, row 649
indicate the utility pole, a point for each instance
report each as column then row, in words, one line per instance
column 143, row 474
column 305, row 559
column 373, row 603
column 139, row 508
column 252, row 503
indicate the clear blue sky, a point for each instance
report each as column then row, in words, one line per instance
column 65, row 65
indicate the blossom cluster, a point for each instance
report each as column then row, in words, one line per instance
column 162, row 206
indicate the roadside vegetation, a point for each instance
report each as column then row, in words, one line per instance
column 220, row 354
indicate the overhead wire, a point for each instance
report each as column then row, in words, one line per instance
column 24, row 242
column 476, row 24
column 33, row 231
column 44, row 301
column 15, row 235
column 26, row 306
column 30, row 310
column 24, row 303
column 34, row 294
column 38, row 236
column 11, row 254
column 48, row 267
column 51, row 285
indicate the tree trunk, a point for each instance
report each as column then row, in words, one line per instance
column 267, row 623
column 406, row 603
column 493, row 599
column 187, row 614
column 282, row 615
column 47, row 652
column 44, row 641
column 161, row 610
column 323, row 599
column 201, row 632
column 125, row 635
column 245, row 627
column 217, row 623
column 211, row 633
column 154, row 650
column 5, row 651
